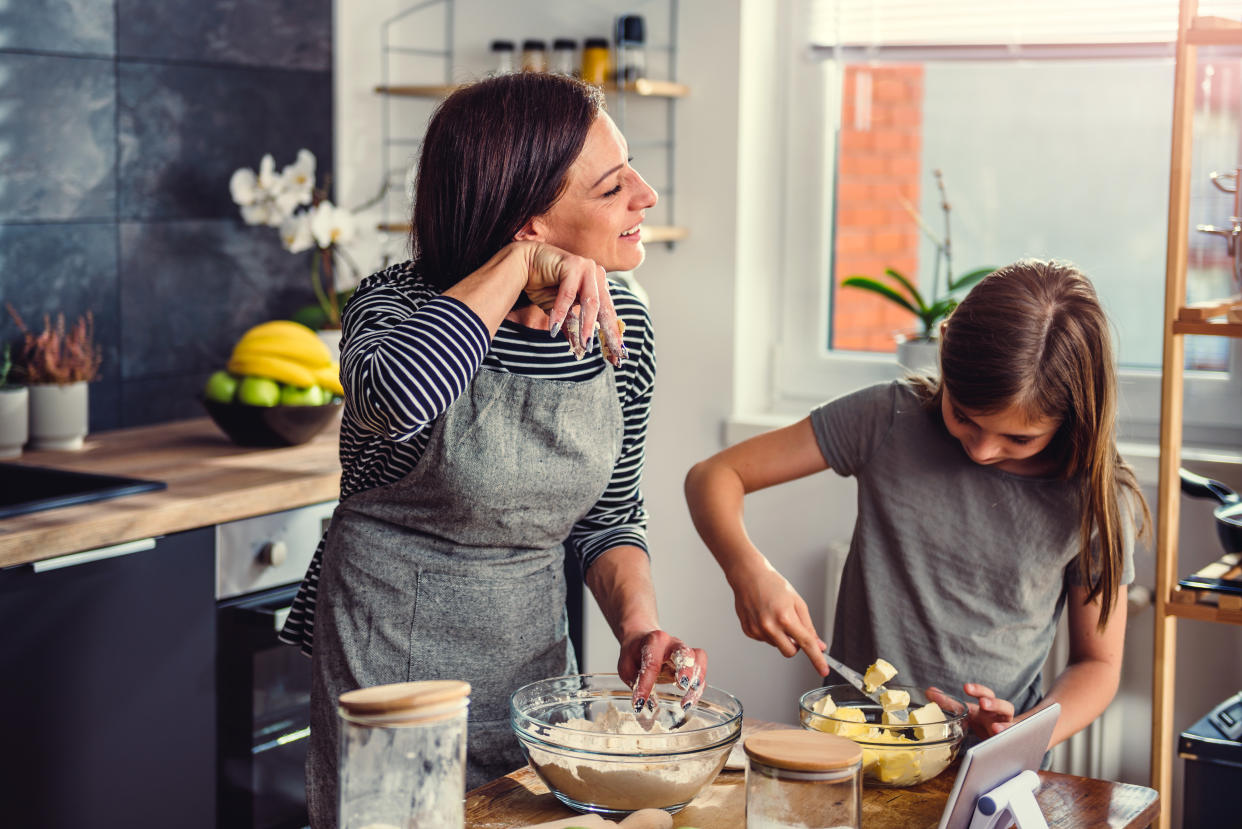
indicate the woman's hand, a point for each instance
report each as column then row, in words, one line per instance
column 986, row 718
column 657, row 656
column 573, row 292
column 771, row 611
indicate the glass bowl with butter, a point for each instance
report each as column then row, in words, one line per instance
column 583, row 740
column 897, row 752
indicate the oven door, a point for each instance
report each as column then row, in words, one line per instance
column 263, row 715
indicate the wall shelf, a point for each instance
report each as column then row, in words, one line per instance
column 1214, row 31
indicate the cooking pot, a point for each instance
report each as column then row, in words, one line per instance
column 1228, row 513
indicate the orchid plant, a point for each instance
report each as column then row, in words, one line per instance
column 307, row 220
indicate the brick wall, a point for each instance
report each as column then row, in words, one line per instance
column 878, row 164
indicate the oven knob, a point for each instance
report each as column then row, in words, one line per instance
column 274, row 553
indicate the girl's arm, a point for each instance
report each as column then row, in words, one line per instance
column 767, row 605
column 1084, row 689
column 1089, row 682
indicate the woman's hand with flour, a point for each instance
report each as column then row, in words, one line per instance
column 573, row 292
column 657, row 656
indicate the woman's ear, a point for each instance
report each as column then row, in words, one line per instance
column 531, row 231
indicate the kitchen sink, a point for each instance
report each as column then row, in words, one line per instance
column 26, row 489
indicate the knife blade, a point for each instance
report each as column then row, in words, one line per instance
column 854, row 678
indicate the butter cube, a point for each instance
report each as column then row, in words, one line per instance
column 893, row 700
column 854, row 725
column 895, row 717
column 898, row 766
column 929, row 713
column 879, row 673
column 824, row 705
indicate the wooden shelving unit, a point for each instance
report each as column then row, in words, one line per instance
column 1217, row 318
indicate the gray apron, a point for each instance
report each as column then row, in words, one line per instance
column 456, row 570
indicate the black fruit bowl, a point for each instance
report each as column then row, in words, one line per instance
column 271, row 425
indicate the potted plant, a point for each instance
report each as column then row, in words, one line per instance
column 57, row 364
column 307, row 219
column 14, row 409
column 920, row 351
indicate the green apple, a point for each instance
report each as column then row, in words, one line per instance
column 294, row 396
column 221, row 387
column 258, row 391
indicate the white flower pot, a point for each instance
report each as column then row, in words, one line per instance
column 918, row 356
column 59, row 416
column 331, row 337
column 14, row 420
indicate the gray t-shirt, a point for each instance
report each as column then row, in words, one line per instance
column 957, row 572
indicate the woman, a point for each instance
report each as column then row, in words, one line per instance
column 484, row 432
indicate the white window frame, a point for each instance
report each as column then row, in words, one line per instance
column 802, row 372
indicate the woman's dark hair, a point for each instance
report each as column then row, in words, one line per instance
column 496, row 154
column 1032, row 335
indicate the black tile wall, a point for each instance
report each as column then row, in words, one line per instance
column 122, row 123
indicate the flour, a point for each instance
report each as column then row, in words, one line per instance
column 618, row 783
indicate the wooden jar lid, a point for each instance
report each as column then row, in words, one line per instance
column 802, row 750
column 410, row 699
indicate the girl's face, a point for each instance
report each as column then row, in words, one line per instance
column 1004, row 439
column 599, row 214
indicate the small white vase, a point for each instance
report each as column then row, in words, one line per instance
column 918, row 356
column 14, row 420
column 59, row 415
column 331, row 337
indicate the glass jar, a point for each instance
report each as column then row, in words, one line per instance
column 798, row 779
column 502, row 56
column 403, row 755
column 564, row 52
column 595, row 60
column 631, row 48
column 534, row 55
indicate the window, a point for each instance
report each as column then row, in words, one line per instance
column 1051, row 125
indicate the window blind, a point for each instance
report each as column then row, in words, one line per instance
column 1012, row 28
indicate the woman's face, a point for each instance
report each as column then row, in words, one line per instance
column 599, row 214
column 1005, row 439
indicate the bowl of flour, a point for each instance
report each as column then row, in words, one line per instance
column 581, row 736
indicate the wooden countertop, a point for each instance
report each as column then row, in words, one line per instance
column 210, row 481
column 1068, row 802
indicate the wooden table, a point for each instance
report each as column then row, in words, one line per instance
column 1068, row 802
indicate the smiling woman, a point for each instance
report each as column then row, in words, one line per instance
column 484, row 433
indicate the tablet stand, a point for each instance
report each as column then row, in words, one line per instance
column 1011, row 802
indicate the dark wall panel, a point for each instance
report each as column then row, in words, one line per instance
column 295, row 34
column 74, row 26
column 185, row 129
column 58, row 125
column 122, row 123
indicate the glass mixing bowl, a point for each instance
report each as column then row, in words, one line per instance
column 580, row 736
column 894, row 755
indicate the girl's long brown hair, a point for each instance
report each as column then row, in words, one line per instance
column 496, row 153
column 1032, row 335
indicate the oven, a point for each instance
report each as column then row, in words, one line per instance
column 262, row 684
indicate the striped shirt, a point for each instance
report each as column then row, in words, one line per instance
column 409, row 352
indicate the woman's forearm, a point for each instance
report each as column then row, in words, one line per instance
column 620, row 580
column 1084, row 689
column 491, row 290
column 715, row 494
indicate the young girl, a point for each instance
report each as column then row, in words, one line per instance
column 989, row 500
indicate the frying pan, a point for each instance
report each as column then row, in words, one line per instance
column 1228, row 514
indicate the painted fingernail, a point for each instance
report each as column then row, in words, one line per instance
column 638, row 705
column 683, row 681
column 695, row 685
column 554, row 330
column 650, row 705
column 685, row 706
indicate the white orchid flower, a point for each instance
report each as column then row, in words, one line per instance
column 267, row 172
column 244, row 186
column 259, row 213
column 297, row 183
column 295, row 233
column 331, row 225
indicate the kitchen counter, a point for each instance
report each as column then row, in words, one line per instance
column 1068, row 802
column 210, row 481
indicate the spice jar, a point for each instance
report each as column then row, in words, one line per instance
column 631, row 48
column 534, row 55
column 564, row 50
column 595, row 60
column 403, row 755
column 502, row 56
column 799, row 779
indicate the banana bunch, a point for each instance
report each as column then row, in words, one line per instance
column 287, row 352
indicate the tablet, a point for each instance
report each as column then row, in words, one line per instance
column 988, row 764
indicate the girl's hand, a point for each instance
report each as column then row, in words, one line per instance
column 771, row 611
column 573, row 292
column 656, row 656
column 986, row 718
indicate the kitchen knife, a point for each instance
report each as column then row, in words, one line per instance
column 854, row 678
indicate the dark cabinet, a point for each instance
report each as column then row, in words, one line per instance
column 107, row 689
